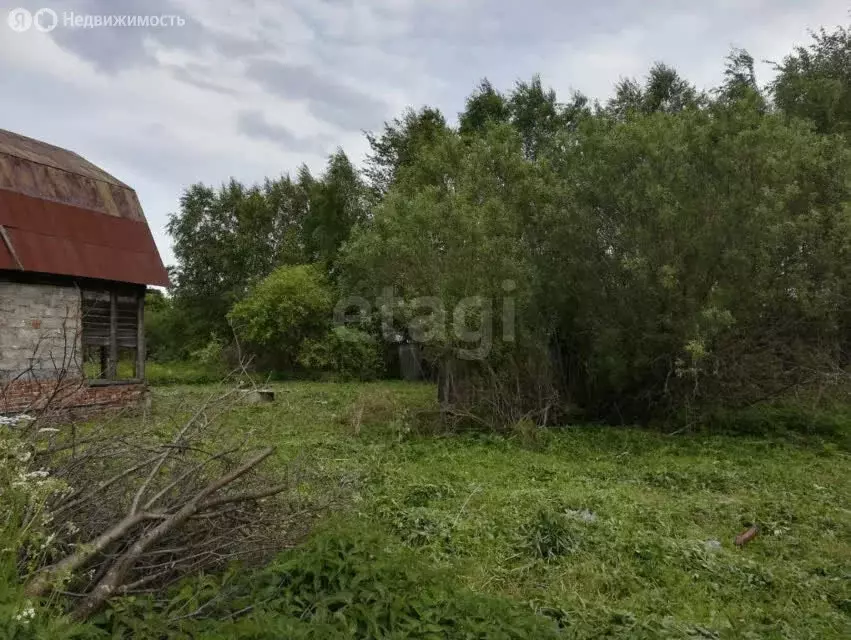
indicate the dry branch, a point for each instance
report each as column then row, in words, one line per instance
column 117, row 574
column 152, row 507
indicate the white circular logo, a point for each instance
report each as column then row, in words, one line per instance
column 45, row 20
column 20, row 20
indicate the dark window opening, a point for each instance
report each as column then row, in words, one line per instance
column 113, row 338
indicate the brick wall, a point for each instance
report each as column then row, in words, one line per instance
column 68, row 399
column 39, row 331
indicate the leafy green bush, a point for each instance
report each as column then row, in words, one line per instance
column 349, row 353
column 672, row 260
column 211, row 354
column 169, row 334
column 290, row 306
column 795, row 420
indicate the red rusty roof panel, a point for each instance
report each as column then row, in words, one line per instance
column 52, row 237
column 6, row 259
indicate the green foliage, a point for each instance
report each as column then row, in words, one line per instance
column 664, row 91
column 24, row 540
column 337, row 203
column 349, row 353
column 347, row 584
column 169, row 334
column 740, row 80
column 708, row 228
column 26, row 492
column 814, row 83
column 459, row 201
column 673, row 251
column 537, row 116
column 786, row 419
column 399, row 145
column 211, row 355
column 484, row 108
column 687, row 255
column 290, row 306
column 23, row 619
column 670, row 252
column 226, row 239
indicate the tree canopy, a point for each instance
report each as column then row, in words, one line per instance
column 814, row 83
column 668, row 251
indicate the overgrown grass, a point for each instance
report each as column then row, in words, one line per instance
column 164, row 373
column 347, row 582
column 181, row 372
column 591, row 531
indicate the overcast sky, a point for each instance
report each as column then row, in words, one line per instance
column 253, row 88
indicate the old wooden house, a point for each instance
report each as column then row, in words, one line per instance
column 76, row 256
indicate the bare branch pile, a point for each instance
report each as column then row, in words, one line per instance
column 147, row 505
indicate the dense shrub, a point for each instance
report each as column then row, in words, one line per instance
column 662, row 262
column 721, row 259
column 349, row 353
column 166, row 329
column 290, row 306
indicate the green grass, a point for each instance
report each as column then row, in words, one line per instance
column 608, row 531
column 181, row 372
column 576, row 532
column 163, row 373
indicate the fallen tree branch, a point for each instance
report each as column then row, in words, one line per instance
column 116, row 574
column 46, row 579
column 151, row 508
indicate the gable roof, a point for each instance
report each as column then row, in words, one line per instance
column 61, row 214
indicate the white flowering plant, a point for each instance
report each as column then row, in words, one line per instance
column 26, row 536
column 24, row 495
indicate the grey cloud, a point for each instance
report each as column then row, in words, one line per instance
column 332, row 101
column 484, row 23
column 116, row 48
column 196, row 75
column 254, row 124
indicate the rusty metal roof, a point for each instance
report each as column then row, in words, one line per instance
column 63, row 215
column 51, row 237
column 14, row 144
column 44, row 171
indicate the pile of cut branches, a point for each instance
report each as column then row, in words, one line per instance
column 148, row 505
